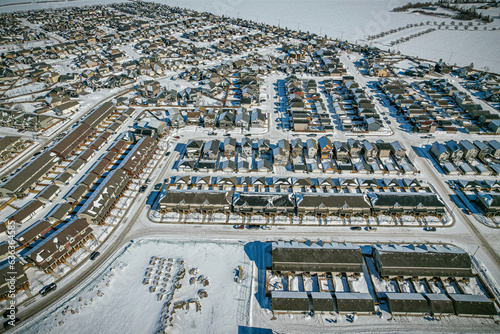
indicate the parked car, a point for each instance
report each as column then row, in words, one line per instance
column 430, row 229
column 253, row 227
column 94, row 255
column 239, row 227
column 177, row 137
column 370, row 228
column 167, row 154
column 266, row 227
column 158, row 186
column 142, row 189
column 468, row 211
column 356, row 228
column 48, row 288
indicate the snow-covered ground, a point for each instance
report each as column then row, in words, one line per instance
column 119, row 299
column 351, row 20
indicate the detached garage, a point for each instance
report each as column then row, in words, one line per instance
column 473, row 305
column 407, row 303
column 351, row 302
column 322, row 301
column 289, row 301
column 439, row 304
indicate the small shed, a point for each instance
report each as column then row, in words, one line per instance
column 407, row 303
column 322, row 301
column 289, row 301
column 63, row 179
column 439, row 304
column 47, row 194
column 354, row 302
column 60, row 212
column 472, row 305
column 77, row 193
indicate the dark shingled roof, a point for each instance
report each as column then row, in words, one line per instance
column 424, row 260
column 72, row 140
column 289, row 301
column 33, row 232
column 99, row 115
column 31, row 173
column 197, row 197
column 48, row 192
column 138, row 155
column 67, row 235
column 439, row 304
column 407, row 303
column 348, row 302
column 472, row 304
column 26, row 211
column 412, row 200
column 263, row 200
column 332, row 200
column 322, row 301
column 104, row 196
column 5, row 272
column 318, row 257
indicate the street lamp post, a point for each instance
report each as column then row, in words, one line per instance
column 476, row 251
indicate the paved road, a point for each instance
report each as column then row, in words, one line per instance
column 464, row 233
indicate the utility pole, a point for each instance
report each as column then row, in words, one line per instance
column 450, row 57
column 476, row 251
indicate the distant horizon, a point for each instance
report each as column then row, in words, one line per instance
column 340, row 21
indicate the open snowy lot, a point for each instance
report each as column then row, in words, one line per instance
column 119, row 299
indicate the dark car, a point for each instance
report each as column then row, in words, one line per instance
column 253, row 227
column 167, row 154
column 11, row 323
column 158, row 186
column 430, row 229
column 48, row 288
column 94, row 255
column 356, row 228
column 142, row 189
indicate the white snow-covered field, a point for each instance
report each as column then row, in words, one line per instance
column 117, row 301
column 353, row 20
